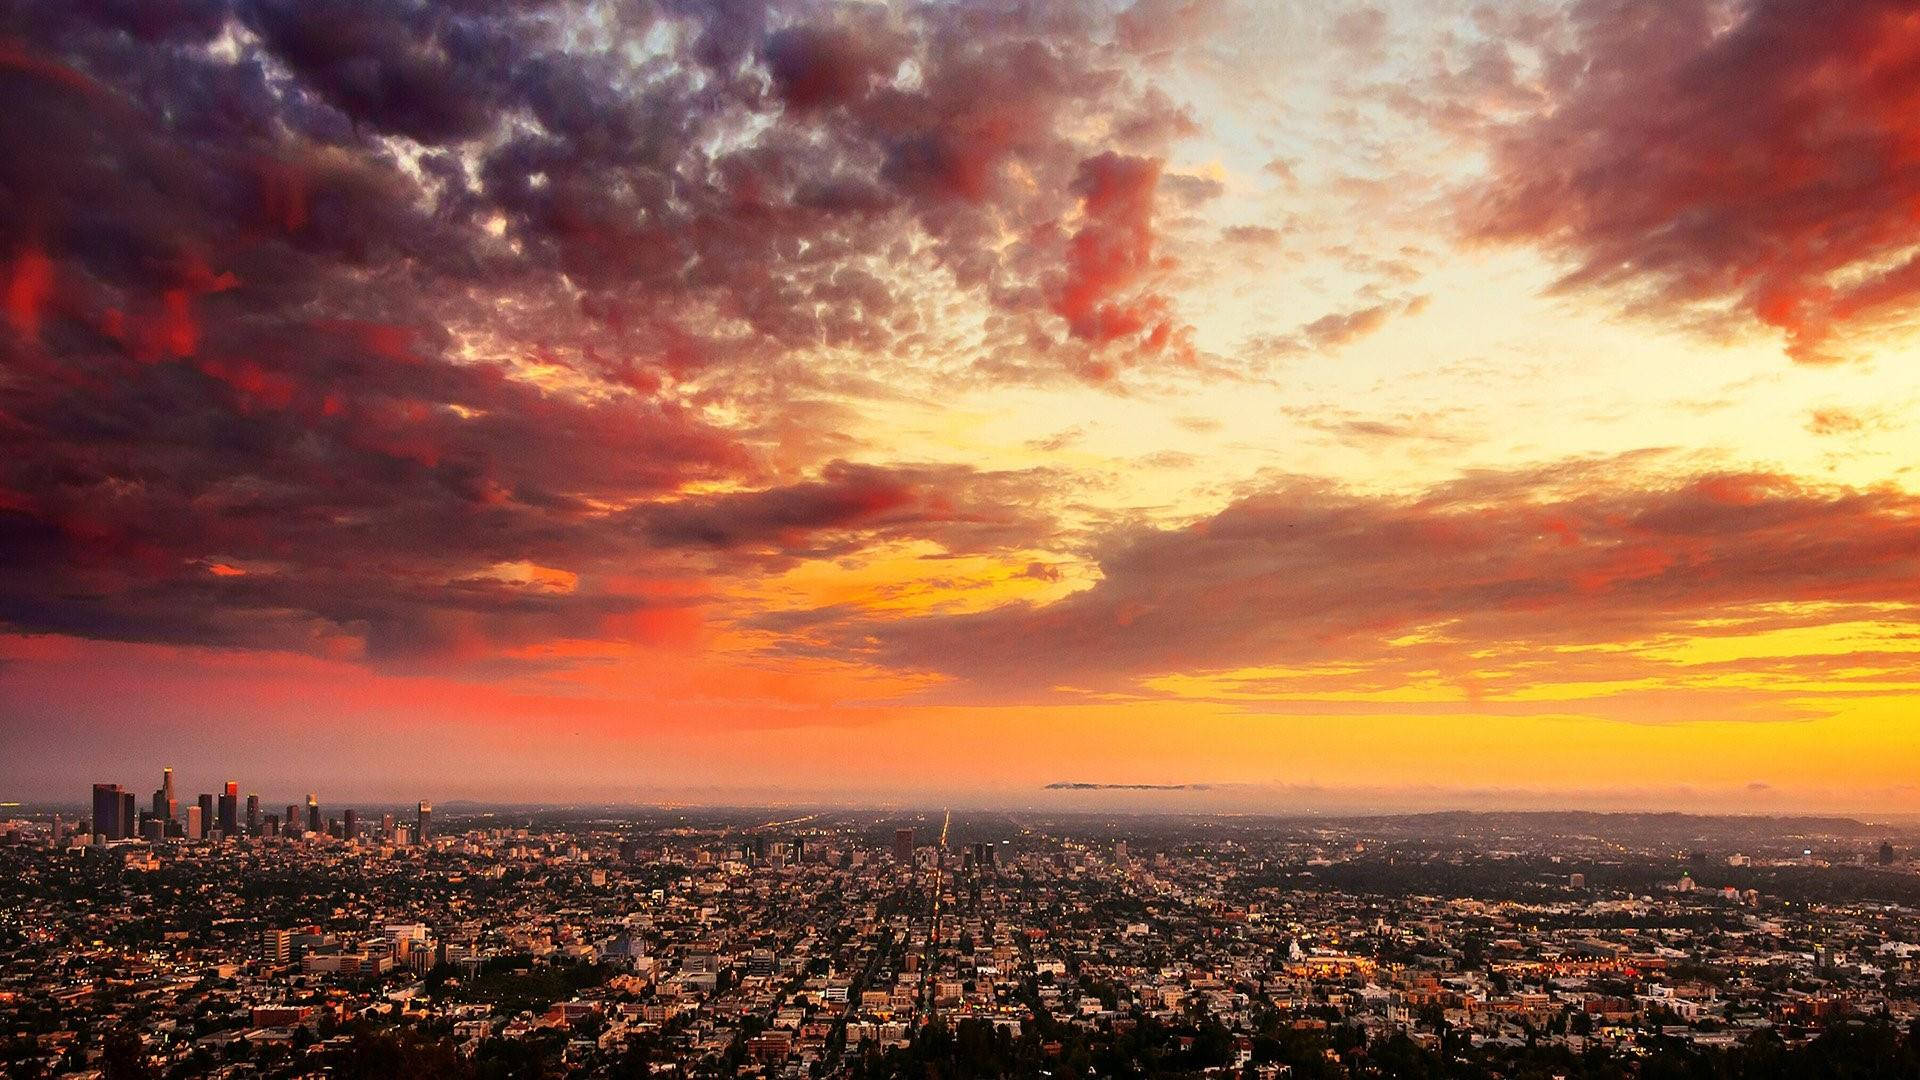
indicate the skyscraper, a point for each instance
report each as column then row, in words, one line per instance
column 107, row 820
column 903, row 846
column 313, row 813
column 208, row 820
column 129, row 823
column 253, row 815
column 164, row 806
column 293, row 820
column 426, row 821
column 351, row 819
column 230, row 810
column 196, row 823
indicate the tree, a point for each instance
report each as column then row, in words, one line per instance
column 125, row 1058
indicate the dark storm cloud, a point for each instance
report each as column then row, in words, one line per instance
column 319, row 313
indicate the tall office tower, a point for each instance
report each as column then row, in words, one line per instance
column 196, row 822
column 386, row 827
column 276, row 946
column 107, row 821
column 152, row 829
column 230, row 811
column 425, row 829
column 352, row 819
column 59, row 830
column 164, row 806
column 129, row 815
column 253, row 815
column 293, row 820
column 209, row 821
column 272, row 826
column 903, row 846
column 313, row 813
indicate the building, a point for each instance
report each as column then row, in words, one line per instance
column 903, row 846
column 209, row 821
column 253, row 815
column 276, row 946
column 293, row 820
column 351, row 818
column 425, row 828
column 107, row 819
column 164, row 805
column 196, row 828
column 230, row 810
column 313, row 814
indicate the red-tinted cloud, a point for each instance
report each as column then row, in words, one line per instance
column 963, row 509
column 1764, row 170
column 815, row 66
column 1112, row 251
column 312, row 330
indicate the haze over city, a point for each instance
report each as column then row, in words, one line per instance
column 1184, row 404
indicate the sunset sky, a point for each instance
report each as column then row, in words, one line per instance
column 1324, row 404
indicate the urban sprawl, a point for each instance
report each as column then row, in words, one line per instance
column 159, row 937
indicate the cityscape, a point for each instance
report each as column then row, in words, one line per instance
column 959, row 539
column 626, row 941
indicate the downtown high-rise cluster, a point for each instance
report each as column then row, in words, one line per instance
column 117, row 816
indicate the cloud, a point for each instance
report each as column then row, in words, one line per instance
column 1253, row 235
column 1493, row 576
column 1112, row 252
column 1336, row 330
column 1835, row 420
column 818, row 66
column 1726, row 166
column 318, row 314
column 964, row 510
column 1359, row 430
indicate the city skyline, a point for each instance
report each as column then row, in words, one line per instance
column 1198, row 405
column 116, row 814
